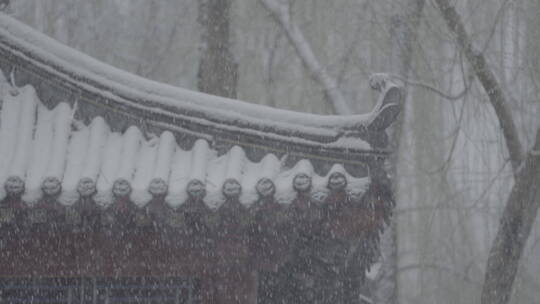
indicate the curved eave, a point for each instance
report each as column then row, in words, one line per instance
column 49, row 63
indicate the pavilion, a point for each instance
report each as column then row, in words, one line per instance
column 118, row 189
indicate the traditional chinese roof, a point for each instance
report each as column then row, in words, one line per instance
column 49, row 153
column 73, row 127
column 116, row 175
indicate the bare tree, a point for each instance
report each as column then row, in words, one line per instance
column 524, row 199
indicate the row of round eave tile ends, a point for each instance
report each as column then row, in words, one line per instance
column 46, row 153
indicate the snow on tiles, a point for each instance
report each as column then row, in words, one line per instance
column 8, row 134
column 46, row 153
column 162, row 170
column 77, row 150
column 143, row 175
column 99, row 132
column 41, row 152
column 181, row 167
column 27, row 98
column 109, row 166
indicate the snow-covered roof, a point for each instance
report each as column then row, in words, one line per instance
column 74, row 128
column 85, row 147
column 58, row 62
column 46, row 152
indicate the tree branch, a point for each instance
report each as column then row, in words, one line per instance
column 282, row 15
column 522, row 205
column 487, row 78
column 433, row 89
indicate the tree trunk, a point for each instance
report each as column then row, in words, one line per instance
column 522, row 205
column 487, row 78
column 403, row 33
column 514, row 229
column 218, row 71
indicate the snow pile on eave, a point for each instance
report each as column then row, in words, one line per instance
column 122, row 82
